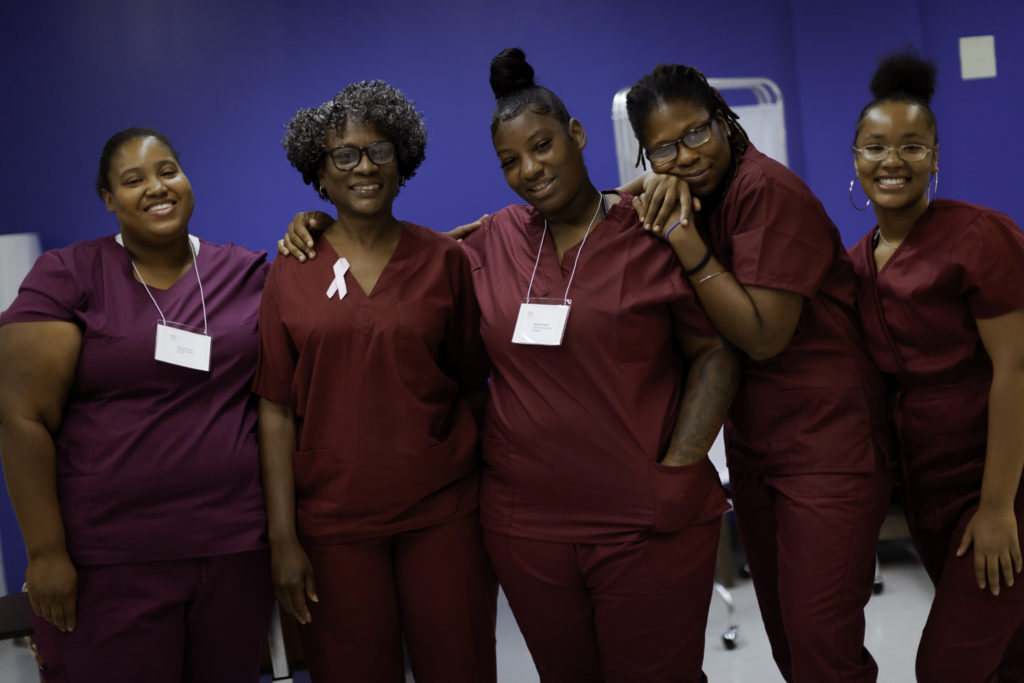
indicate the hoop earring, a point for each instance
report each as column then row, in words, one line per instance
column 935, row 189
column 852, row 203
column 322, row 192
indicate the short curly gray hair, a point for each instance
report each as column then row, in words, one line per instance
column 370, row 102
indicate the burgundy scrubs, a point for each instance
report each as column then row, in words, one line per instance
column 606, row 555
column 387, row 460
column 157, row 470
column 959, row 263
column 806, row 439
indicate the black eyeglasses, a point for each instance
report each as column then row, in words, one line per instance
column 347, row 157
column 666, row 154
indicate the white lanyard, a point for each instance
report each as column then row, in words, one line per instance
column 174, row 345
column 543, row 323
column 565, row 297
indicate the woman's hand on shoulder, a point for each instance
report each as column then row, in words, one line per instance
column 292, row 575
column 298, row 241
column 994, row 535
column 52, row 582
column 463, row 231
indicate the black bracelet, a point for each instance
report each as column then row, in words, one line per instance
column 703, row 262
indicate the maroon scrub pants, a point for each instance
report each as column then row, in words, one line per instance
column 810, row 542
column 202, row 620
column 971, row 636
column 612, row 613
column 432, row 586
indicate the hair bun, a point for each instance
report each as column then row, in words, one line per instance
column 904, row 73
column 510, row 72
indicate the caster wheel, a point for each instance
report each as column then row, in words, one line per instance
column 729, row 638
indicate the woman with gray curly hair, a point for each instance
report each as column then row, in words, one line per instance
column 372, row 378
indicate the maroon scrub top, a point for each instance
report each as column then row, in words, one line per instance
column 386, row 439
column 818, row 406
column 958, row 263
column 574, row 433
column 154, row 461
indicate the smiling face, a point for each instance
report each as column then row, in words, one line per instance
column 149, row 193
column 366, row 191
column 894, row 184
column 704, row 168
column 542, row 160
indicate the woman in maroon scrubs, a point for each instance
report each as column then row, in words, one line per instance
column 372, row 377
column 805, row 439
column 942, row 299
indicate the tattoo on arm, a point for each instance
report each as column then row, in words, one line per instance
column 710, row 387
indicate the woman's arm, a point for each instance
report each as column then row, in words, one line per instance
column 993, row 528
column 710, row 387
column 37, row 367
column 298, row 240
column 759, row 321
column 291, row 571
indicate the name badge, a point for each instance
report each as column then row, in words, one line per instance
column 181, row 347
column 541, row 322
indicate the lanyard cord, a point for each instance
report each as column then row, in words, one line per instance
column 202, row 298
column 565, row 298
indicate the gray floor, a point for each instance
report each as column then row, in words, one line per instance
column 894, row 621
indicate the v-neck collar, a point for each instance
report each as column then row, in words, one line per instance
column 384, row 281
column 193, row 240
column 914, row 230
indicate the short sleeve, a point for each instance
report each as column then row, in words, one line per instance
column 275, row 365
column 49, row 292
column 781, row 237
column 464, row 348
column 990, row 251
column 690, row 320
column 474, row 244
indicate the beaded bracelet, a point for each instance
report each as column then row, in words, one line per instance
column 703, row 262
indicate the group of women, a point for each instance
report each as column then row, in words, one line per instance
column 619, row 330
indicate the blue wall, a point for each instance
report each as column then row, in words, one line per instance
column 222, row 78
column 837, row 46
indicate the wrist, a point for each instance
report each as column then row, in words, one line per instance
column 699, row 265
column 281, row 537
column 47, row 552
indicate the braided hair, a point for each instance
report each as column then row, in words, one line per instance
column 670, row 82
column 903, row 77
column 515, row 91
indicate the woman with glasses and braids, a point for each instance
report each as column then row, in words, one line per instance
column 806, row 442
column 372, row 377
column 942, row 300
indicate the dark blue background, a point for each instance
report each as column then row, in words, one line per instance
column 222, row 78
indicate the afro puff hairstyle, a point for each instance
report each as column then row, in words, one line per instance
column 903, row 77
column 373, row 103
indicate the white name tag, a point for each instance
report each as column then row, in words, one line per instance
column 541, row 324
column 181, row 347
